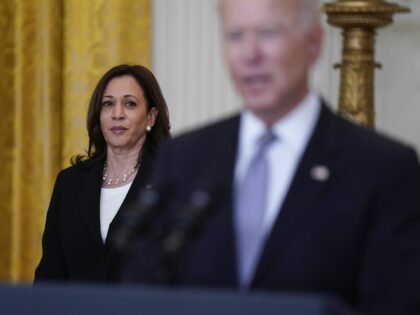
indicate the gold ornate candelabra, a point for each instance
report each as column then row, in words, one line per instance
column 359, row 19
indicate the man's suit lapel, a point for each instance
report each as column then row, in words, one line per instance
column 312, row 177
column 226, row 158
column 227, row 170
column 89, row 198
column 217, row 177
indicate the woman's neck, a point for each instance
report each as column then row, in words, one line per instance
column 120, row 167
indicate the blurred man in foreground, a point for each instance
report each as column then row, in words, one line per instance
column 302, row 200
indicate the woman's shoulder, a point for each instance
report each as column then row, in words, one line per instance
column 80, row 168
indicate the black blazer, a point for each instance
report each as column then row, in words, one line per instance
column 72, row 245
column 355, row 235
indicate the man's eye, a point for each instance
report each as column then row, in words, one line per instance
column 233, row 36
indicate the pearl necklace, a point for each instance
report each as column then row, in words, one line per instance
column 116, row 181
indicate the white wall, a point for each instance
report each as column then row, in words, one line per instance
column 188, row 63
column 398, row 83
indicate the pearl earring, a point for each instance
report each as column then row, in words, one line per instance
column 148, row 128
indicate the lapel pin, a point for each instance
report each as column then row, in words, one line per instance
column 320, row 173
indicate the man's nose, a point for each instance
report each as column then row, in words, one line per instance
column 251, row 49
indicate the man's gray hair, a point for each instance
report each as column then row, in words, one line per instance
column 309, row 12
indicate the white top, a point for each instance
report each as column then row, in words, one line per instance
column 111, row 201
column 293, row 133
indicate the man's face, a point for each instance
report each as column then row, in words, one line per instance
column 269, row 53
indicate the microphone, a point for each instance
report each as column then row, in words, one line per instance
column 137, row 219
column 190, row 219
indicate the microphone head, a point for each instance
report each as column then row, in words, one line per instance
column 200, row 199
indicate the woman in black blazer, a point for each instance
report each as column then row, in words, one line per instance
column 127, row 120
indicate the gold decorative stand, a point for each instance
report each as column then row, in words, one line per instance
column 359, row 19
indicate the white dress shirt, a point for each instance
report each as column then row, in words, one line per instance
column 293, row 133
column 111, row 201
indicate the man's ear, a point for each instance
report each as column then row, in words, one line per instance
column 315, row 39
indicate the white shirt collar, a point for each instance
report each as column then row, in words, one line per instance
column 294, row 129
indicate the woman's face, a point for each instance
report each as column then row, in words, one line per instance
column 124, row 115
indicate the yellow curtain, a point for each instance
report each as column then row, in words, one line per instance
column 6, row 134
column 52, row 54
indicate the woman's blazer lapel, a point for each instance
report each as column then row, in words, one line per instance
column 140, row 182
column 89, row 195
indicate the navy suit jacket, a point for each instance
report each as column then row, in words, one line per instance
column 355, row 235
column 72, row 245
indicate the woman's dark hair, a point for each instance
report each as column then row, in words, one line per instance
column 154, row 98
